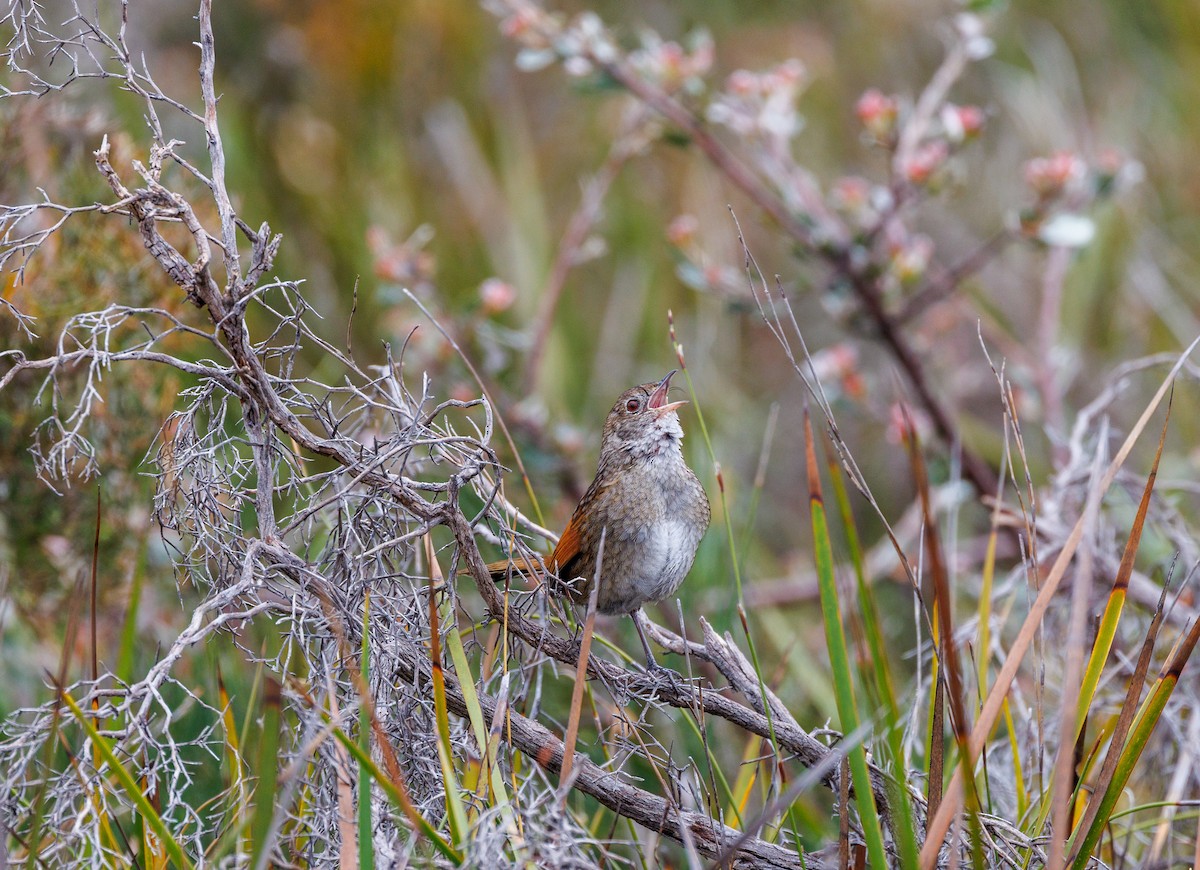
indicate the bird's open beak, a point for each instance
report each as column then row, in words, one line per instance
column 658, row 399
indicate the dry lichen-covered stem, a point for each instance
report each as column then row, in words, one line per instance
column 260, row 399
column 216, row 152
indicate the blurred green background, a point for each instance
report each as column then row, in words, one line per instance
column 396, row 143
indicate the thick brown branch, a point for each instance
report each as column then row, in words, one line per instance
column 651, row 811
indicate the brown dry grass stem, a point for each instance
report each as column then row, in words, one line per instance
column 940, row 823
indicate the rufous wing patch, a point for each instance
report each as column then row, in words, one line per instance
column 566, row 552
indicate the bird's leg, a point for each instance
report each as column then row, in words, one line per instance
column 651, row 663
column 654, row 670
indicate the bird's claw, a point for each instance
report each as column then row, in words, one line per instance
column 664, row 675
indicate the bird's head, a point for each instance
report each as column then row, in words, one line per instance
column 643, row 422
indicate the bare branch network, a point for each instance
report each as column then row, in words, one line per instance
column 347, row 477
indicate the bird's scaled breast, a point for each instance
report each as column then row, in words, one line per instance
column 652, row 558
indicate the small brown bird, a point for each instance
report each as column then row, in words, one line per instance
column 647, row 503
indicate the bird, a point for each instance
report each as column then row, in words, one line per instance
column 645, row 504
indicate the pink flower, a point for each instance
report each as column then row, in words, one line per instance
column 703, row 53
column 909, row 261
column 742, row 82
column 971, row 118
column 762, row 104
column 839, row 363
column 1050, row 176
column 682, row 230
column 925, row 161
column 789, row 74
column 851, row 193
column 877, row 112
column 962, row 123
column 671, row 65
column 496, row 295
column 520, row 23
column 404, row 263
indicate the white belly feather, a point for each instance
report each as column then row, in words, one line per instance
column 670, row 549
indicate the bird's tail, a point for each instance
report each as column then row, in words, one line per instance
column 516, row 566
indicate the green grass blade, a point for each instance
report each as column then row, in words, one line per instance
column 493, row 778
column 398, row 798
column 984, row 644
column 268, row 774
column 462, row 669
column 366, row 846
column 1139, row 735
column 1116, row 599
column 905, row 833
column 839, row 658
column 233, row 751
column 456, row 813
column 132, row 790
column 1015, row 750
column 881, row 672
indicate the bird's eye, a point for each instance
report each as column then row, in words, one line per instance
column 633, row 406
